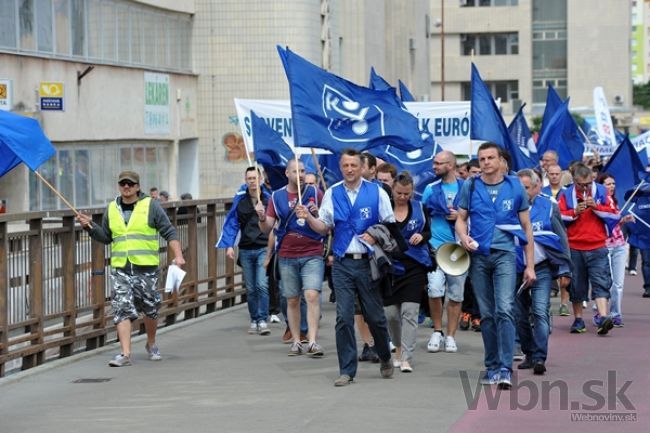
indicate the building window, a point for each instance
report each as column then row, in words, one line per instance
column 487, row 44
column 86, row 173
column 485, row 3
column 540, row 88
column 506, row 90
column 99, row 31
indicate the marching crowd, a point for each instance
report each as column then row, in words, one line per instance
column 530, row 235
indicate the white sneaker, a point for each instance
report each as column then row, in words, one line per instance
column 263, row 328
column 396, row 363
column 450, row 344
column 434, row 342
column 253, row 328
column 392, row 347
column 405, row 367
column 632, row 272
column 274, row 319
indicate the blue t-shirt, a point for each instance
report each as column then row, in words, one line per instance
column 441, row 230
column 500, row 240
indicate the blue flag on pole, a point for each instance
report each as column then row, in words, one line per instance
column 271, row 151
column 377, row 82
column 22, row 140
column 553, row 103
column 332, row 113
column 639, row 207
column 624, row 165
column 561, row 134
column 487, row 123
column 521, row 136
column 404, row 92
column 268, row 145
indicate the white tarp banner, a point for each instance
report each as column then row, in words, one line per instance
column 603, row 118
column 449, row 122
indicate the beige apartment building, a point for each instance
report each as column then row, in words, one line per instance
column 235, row 57
column 521, row 45
column 149, row 85
column 111, row 83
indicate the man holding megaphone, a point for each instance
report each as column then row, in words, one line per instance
column 441, row 200
column 496, row 207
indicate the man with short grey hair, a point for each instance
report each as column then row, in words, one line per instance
column 551, row 253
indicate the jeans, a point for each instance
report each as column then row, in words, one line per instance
column 494, row 278
column 617, row 263
column 645, row 267
column 535, row 300
column 352, row 277
column 590, row 267
column 256, row 281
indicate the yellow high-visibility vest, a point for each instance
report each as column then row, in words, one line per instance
column 137, row 241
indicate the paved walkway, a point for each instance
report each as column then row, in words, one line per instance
column 216, row 378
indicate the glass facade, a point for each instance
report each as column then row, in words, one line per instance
column 506, row 90
column 489, row 44
column 99, row 31
column 86, row 174
column 549, row 47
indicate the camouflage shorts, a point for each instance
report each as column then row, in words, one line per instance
column 133, row 294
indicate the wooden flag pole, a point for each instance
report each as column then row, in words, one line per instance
column 320, row 172
column 257, row 181
column 58, row 194
column 298, row 177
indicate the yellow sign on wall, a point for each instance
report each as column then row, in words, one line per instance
column 51, row 95
column 50, row 90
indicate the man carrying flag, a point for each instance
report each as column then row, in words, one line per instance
column 350, row 208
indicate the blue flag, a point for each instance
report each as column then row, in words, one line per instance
column 487, row 123
column 643, row 156
column 404, row 92
column 521, row 136
column 377, row 82
column 22, row 140
column 639, row 207
column 419, row 163
column 271, row 151
column 268, row 145
column 624, row 165
column 332, row 113
column 561, row 134
column 553, row 103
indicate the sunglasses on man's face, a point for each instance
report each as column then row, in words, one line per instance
column 126, row 183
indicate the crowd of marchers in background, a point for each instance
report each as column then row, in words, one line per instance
column 530, row 236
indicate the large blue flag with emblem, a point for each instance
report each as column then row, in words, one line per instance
column 521, row 136
column 561, row 134
column 404, row 92
column 332, row 113
column 22, row 140
column 487, row 123
column 625, row 166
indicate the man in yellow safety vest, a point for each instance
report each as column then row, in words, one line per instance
column 131, row 224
